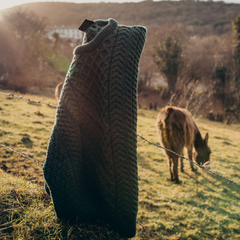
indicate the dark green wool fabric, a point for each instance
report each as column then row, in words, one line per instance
column 91, row 163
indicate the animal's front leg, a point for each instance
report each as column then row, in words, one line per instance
column 190, row 157
column 182, row 165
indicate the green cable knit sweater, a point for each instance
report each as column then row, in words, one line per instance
column 91, row 164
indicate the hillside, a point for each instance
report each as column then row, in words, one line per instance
column 202, row 17
column 203, row 206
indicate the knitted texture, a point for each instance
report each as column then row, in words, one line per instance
column 91, row 163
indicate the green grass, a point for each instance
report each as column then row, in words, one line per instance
column 202, row 206
column 27, row 213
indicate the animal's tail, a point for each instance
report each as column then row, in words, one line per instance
column 163, row 118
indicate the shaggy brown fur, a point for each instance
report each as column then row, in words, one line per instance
column 177, row 129
column 58, row 90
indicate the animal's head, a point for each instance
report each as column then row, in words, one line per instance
column 202, row 154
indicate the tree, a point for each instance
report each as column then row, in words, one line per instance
column 28, row 30
column 201, row 56
column 168, row 57
column 26, row 24
column 236, row 57
column 168, row 54
column 222, row 79
column 7, row 57
column 56, row 39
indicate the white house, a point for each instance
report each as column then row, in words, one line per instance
column 66, row 33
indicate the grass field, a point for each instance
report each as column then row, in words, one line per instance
column 202, row 206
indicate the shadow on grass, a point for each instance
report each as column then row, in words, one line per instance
column 27, row 141
column 222, row 198
column 145, row 164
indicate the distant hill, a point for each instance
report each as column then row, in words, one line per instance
column 203, row 17
column 200, row 18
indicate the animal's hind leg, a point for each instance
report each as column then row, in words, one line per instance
column 175, row 168
column 170, row 163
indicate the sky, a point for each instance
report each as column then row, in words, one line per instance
column 10, row 3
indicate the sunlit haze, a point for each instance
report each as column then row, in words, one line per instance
column 10, row 3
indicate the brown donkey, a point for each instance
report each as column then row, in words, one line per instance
column 58, row 90
column 177, row 129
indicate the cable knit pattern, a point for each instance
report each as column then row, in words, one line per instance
column 91, row 164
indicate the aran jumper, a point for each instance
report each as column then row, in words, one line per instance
column 91, row 164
